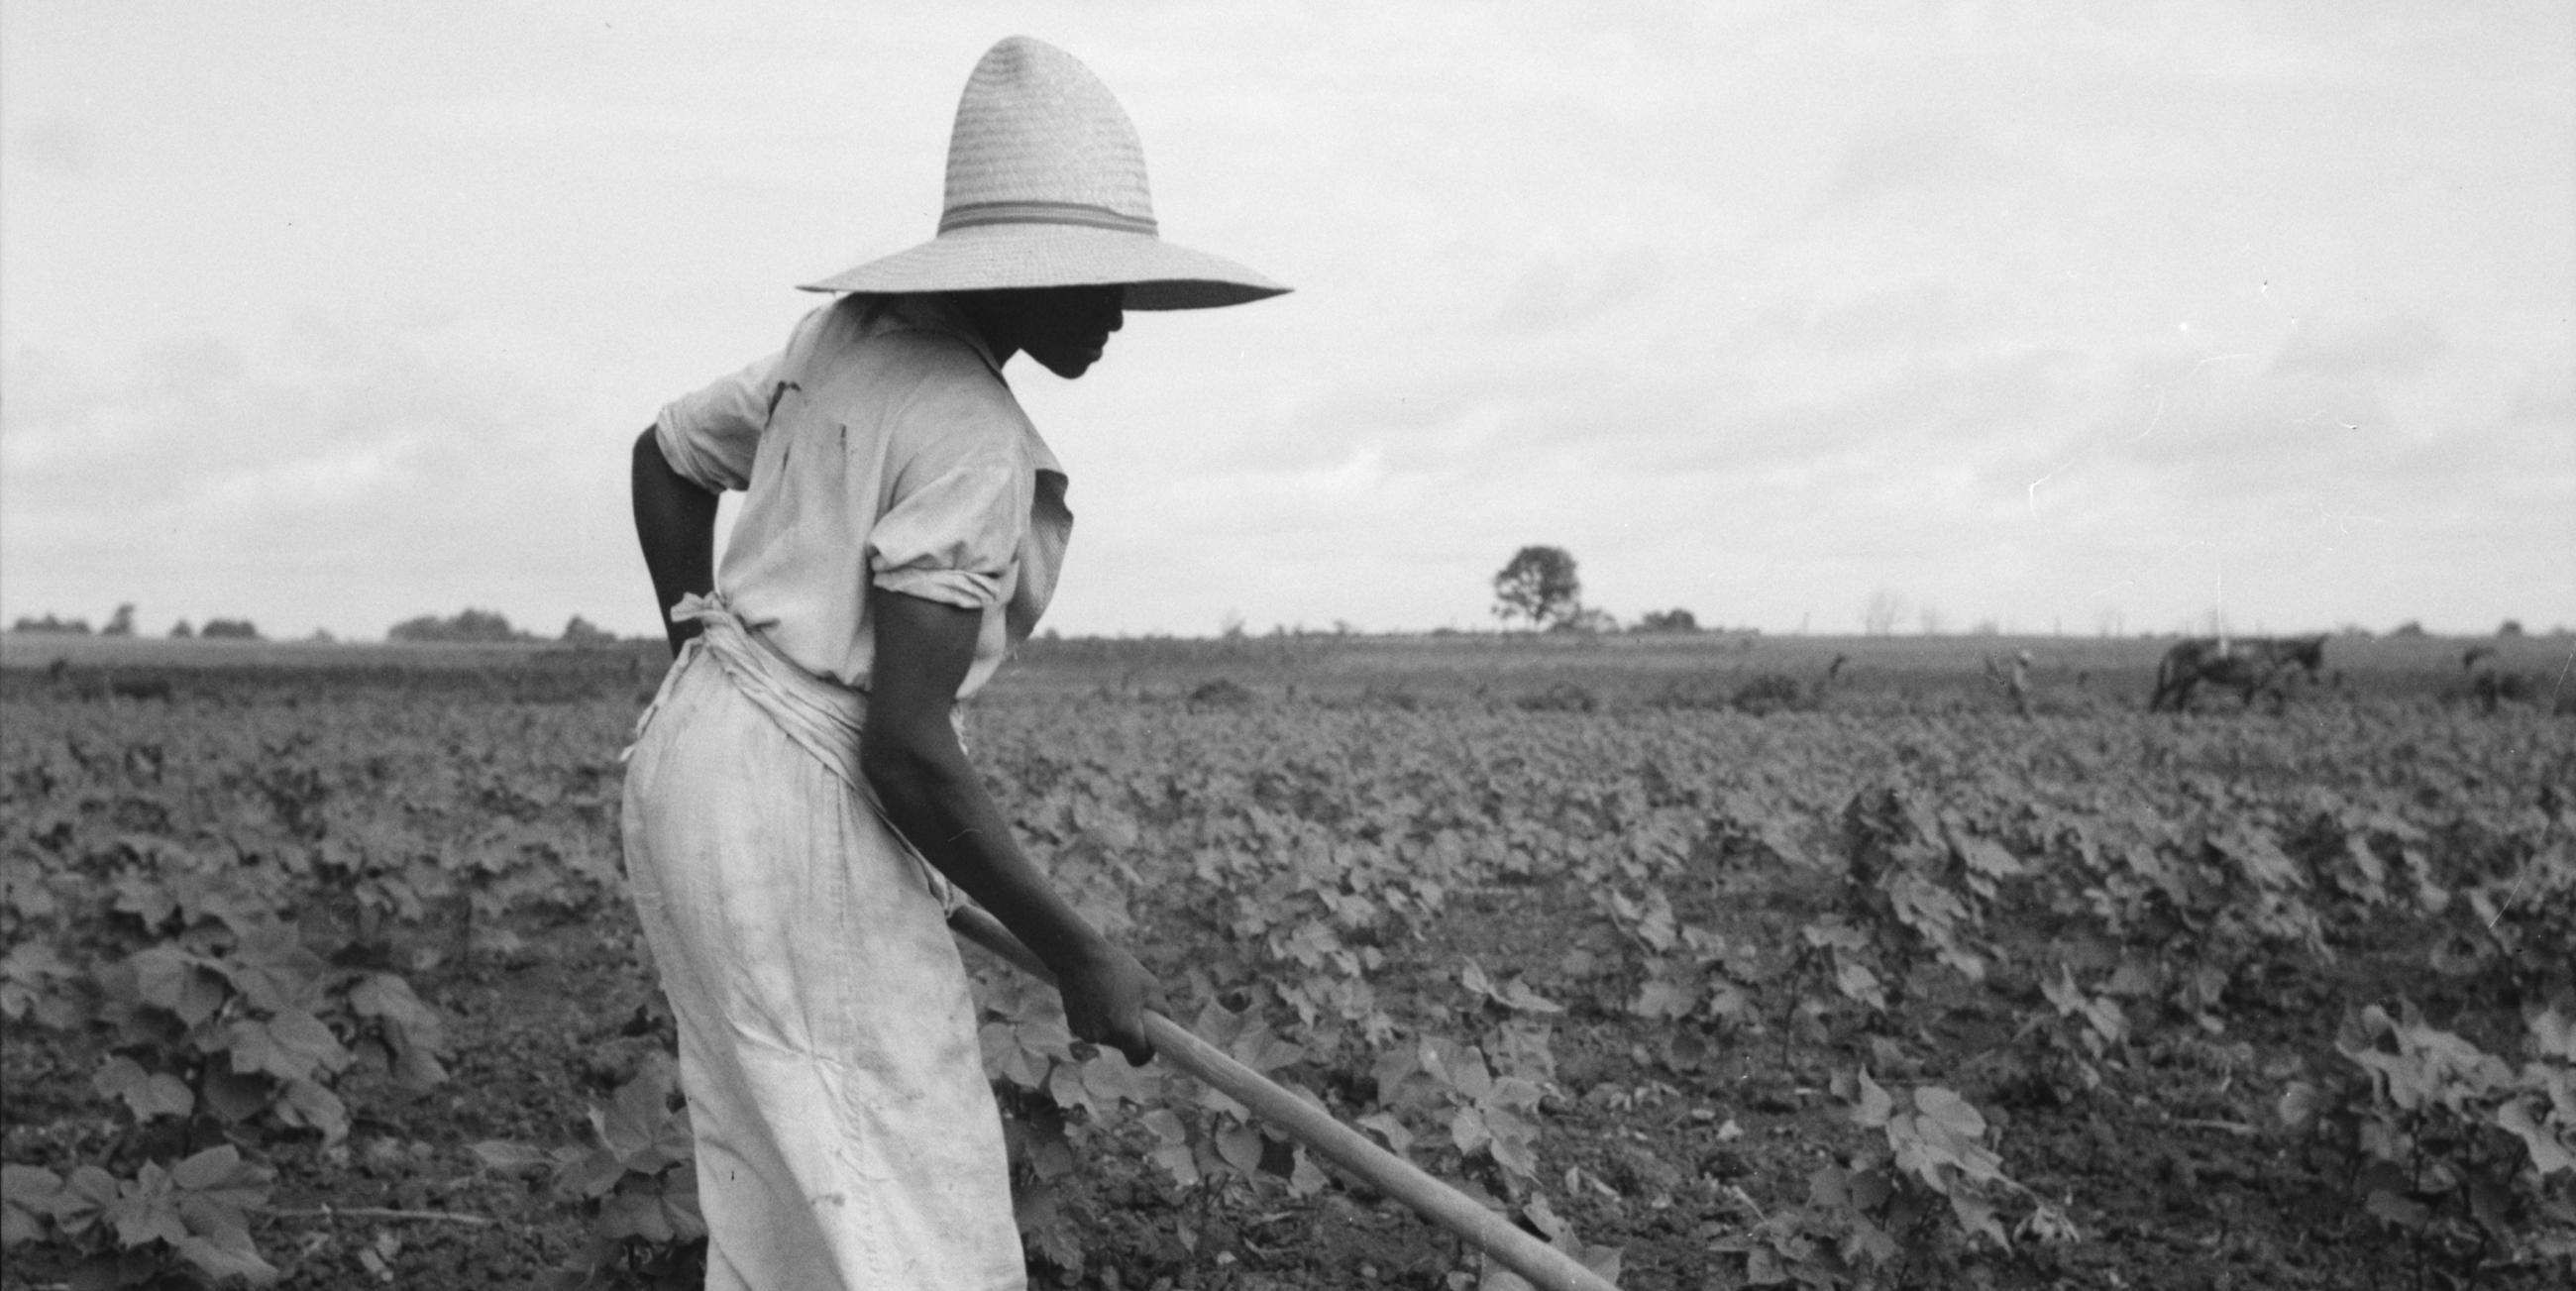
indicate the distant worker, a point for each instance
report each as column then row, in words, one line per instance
column 901, row 532
column 1833, row 671
column 2489, row 685
column 2013, row 679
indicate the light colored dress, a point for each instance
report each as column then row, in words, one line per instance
column 883, row 447
column 846, row 1137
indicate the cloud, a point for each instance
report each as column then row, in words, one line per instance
column 1917, row 315
column 2397, row 345
column 1567, row 294
column 56, row 144
column 359, row 468
column 1909, row 407
column 1935, row 154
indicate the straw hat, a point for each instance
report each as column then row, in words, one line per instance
column 1046, row 188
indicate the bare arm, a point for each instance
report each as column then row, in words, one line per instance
column 910, row 755
column 675, row 520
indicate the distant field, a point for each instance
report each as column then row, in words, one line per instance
column 2078, row 673
column 1643, row 668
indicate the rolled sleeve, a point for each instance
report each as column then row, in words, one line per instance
column 954, row 538
column 710, row 437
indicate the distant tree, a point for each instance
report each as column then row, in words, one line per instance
column 2409, row 628
column 2510, row 628
column 1672, row 620
column 1537, row 585
column 229, row 629
column 582, row 632
column 1879, row 615
column 1585, row 618
column 467, row 625
column 180, row 631
column 120, row 624
column 1929, row 615
column 71, row 627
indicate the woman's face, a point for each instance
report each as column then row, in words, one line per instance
column 1064, row 328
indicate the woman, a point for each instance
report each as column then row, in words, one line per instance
column 901, row 531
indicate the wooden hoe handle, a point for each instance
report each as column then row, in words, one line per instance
column 1545, row 1266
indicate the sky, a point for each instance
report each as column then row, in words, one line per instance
column 2056, row 317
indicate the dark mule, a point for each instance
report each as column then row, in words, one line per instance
column 2249, row 665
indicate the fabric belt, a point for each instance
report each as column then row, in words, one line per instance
column 824, row 718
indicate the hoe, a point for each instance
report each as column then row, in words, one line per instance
column 1545, row 1266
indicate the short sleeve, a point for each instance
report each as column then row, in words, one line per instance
column 952, row 536
column 710, row 437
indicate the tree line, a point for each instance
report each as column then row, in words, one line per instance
column 465, row 626
column 471, row 626
column 121, row 624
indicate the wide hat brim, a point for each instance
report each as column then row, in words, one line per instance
column 1156, row 274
